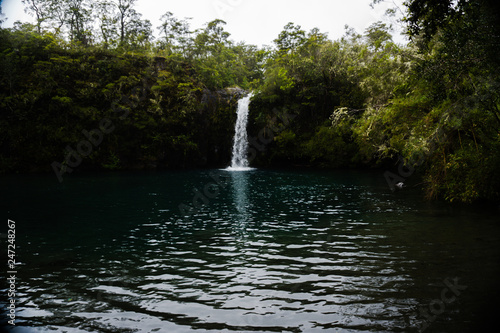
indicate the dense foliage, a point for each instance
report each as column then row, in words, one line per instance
column 52, row 96
column 431, row 108
column 93, row 72
column 446, row 118
column 319, row 80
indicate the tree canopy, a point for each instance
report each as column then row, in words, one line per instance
column 431, row 107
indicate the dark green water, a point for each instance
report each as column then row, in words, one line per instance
column 266, row 251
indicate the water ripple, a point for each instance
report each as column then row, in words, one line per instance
column 274, row 252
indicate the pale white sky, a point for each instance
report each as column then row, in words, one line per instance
column 254, row 21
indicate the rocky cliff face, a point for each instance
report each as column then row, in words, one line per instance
column 219, row 115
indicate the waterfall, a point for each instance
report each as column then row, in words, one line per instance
column 239, row 162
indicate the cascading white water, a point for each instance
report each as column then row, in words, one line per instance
column 239, row 162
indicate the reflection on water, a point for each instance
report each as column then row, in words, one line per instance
column 240, row 195
column 272, row 252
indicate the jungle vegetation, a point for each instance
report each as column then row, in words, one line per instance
column 431, row 107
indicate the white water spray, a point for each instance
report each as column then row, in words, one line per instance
column 239, row 162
